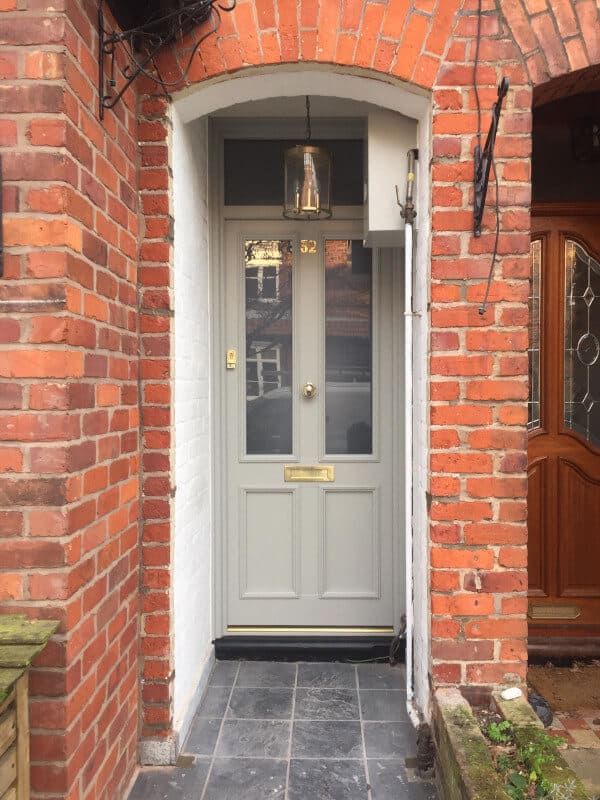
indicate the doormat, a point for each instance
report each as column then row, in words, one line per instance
column 568, row 689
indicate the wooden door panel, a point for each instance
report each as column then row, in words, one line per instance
column 579, row 512
column 536, row 510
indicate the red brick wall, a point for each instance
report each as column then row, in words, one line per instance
column 68, row 394
column 156, row 305
column 68, row 380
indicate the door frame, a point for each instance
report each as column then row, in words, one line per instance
column 385, row 92
column 219, row 215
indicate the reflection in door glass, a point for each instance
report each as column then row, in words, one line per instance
column 348, row 347
column 268, row 277
column 582, row 342
column 533, row 405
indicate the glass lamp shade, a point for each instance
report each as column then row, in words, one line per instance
column 307, row 182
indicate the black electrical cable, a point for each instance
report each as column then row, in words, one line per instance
column 483, row 306
column 396, row 651
column 475, row 70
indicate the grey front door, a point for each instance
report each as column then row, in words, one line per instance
column 312, row 477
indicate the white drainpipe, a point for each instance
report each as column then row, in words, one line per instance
column 408, row 213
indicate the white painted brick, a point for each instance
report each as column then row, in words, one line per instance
column 192, row 558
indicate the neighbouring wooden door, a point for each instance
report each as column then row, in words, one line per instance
column 564, row 425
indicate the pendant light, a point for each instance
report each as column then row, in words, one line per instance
column 307, row 179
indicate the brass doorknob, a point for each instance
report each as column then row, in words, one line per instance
column 309, row 390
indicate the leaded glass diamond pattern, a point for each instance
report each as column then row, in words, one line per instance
column 582, row 346
column 589, row 296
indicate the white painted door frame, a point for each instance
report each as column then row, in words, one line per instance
column 386, row 92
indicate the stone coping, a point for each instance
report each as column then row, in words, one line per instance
column 527, row 727
column 21, row 639
column 464, row 767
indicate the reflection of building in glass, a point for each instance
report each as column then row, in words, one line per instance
column 263, row 369
column 534, row 336
column 268, row 278
column 348, row 360
column 268, row 315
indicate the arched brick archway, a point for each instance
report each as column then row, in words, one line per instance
column 389, row 38
column 478, row 364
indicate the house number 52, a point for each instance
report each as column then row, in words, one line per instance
column 308, row 246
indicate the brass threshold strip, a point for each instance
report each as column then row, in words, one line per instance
column 383, row 631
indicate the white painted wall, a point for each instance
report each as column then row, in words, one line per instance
column 192, row 556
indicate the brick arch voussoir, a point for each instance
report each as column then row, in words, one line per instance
column 556, row 41
column 567, row 85
column 387, row 38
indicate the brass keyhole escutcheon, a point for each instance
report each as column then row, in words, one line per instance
column 309, row 390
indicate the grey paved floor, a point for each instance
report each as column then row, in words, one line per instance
column 296, row 732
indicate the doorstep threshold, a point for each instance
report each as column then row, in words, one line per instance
column 295, row 645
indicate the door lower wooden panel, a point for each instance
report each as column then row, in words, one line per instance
column 269, row 525
column 538, row 481
column 350, row 527
column 579, row 518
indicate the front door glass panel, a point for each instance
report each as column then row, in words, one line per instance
column 268, row 307
column 348, row 347
column 582, row 342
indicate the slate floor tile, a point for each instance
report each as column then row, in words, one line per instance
column 387, row 779
column 224, row 673
column 326, row 704
column 214, row 702
column 266, row 674
column 258, row 738
column 327, row 676
column 388, row 739
column 327, row 780
column 261, row 703
column 170, row 783
column 246, row 779
column 390, row 780
column 202, row 737
column 326, row 740
column 383, row 705
column 422, row 790
column 381, row 676
column 254, row 713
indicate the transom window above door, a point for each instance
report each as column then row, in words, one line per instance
column 254, row 175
